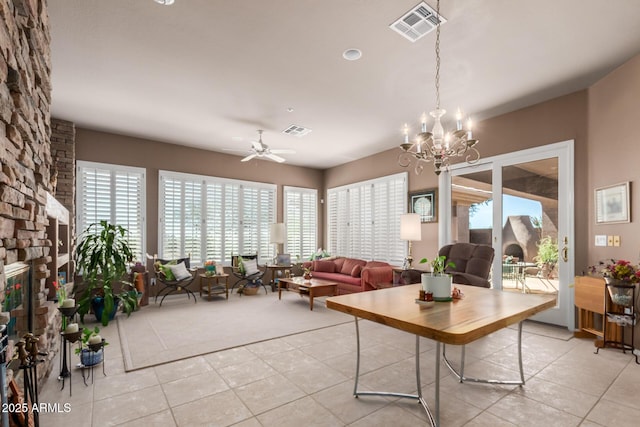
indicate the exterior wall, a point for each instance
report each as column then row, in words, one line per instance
column 104, row 147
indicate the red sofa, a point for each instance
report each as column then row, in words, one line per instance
column 352, row 275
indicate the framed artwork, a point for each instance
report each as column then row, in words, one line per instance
column 423, row 202
column 612, row 204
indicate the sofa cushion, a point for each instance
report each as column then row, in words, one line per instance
column 339, row 278
column 349, row 263
column 356, row 271
column 339, row 262
column 325, row 266
column 377, row 264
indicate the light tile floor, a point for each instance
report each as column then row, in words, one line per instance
column 307, row 380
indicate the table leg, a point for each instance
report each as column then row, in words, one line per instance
column 435, row 421
column 311, row 299
column 462, row 378
column 280, row 290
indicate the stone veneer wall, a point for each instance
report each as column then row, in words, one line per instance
column 25, row 99
column 63, row 151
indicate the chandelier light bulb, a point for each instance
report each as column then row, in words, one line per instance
column 437, row 146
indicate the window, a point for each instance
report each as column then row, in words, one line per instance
column 115, row 194
column 364, row 219
column 301, row 219
column 213, row 218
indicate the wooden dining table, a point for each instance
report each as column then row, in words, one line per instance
column 480, row 312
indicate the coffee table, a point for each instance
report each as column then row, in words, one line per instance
column 312, row 288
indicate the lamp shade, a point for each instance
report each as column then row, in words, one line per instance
column 277, row 233
column 410, row 227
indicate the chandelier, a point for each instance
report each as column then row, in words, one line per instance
column 437, row 146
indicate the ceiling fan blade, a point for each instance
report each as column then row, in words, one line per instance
column 274, row 157
column 283, row 151
column 249, row 157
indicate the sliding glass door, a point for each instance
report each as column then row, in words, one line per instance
column 521, row 204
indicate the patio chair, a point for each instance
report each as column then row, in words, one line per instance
column 245, row 269
column 176, row 276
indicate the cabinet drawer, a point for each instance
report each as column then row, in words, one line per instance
column 590, row 293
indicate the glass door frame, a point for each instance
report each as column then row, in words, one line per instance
column 564, row 314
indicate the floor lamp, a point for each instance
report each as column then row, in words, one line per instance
column 410, row 230
column 277, row 236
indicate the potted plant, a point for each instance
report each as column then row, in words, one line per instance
column 438, row 282
column 307, row 273
column 102, row 258
column 90, row 348
column 547, row 257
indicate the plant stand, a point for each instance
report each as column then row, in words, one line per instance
column 65, row 342
column 94, row 350
column 620, row 309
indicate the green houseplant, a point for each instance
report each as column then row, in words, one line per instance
column 547, row 257
column 102, row 258
column 90, row 348
column 438, row 282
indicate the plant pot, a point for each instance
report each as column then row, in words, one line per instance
column 440, row 286
column 97, row 305
column 90, row 358
column 621, row 292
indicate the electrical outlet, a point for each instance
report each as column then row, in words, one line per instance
column 609, row 240
column 616, row 240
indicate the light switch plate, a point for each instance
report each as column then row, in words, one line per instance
column 609, row 240
column 601, row 240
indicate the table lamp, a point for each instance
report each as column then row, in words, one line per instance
column 277, row 236
column 410, row 230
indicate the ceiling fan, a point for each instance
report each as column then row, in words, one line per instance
column 260, row 149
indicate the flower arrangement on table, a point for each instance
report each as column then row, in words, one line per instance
column 210, row 268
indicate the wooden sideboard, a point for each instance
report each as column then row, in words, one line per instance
column 592, row 301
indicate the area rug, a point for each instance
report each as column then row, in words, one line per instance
column 181, row 329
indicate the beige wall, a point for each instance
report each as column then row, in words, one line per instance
column 154, row 156
column 614, row 110
column 557, row 120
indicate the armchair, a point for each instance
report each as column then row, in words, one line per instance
column 175, row 275
column 472, row 267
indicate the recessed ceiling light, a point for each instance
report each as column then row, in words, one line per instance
column 290, row 110
column 165, row 2
column 352, row 54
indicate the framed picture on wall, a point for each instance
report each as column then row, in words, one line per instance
column 612, row 204
column 423, row 202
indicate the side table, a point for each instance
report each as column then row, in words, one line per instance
column 274, row 269
column 213, row 285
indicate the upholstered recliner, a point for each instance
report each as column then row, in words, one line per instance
column 472, row 263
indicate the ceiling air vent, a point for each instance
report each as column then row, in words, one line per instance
column 296, row 130
column 418, row 22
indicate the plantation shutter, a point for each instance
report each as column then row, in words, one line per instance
column 115, row 194
column 364, row 219
column 214, row 218
column 301, row 219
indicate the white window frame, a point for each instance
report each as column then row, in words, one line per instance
column 265, row 250
column 307, row 218
column 82, row 222
column 363, row 219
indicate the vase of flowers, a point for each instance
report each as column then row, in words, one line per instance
column 210, row 268
column 621, row 277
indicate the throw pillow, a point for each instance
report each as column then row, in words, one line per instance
column 250, row 266
column 180, row 271
column 349, row 263
column 357, row 270
column 168, row 274
column 324, row 266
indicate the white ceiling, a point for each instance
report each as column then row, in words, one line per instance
column 205, row 73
